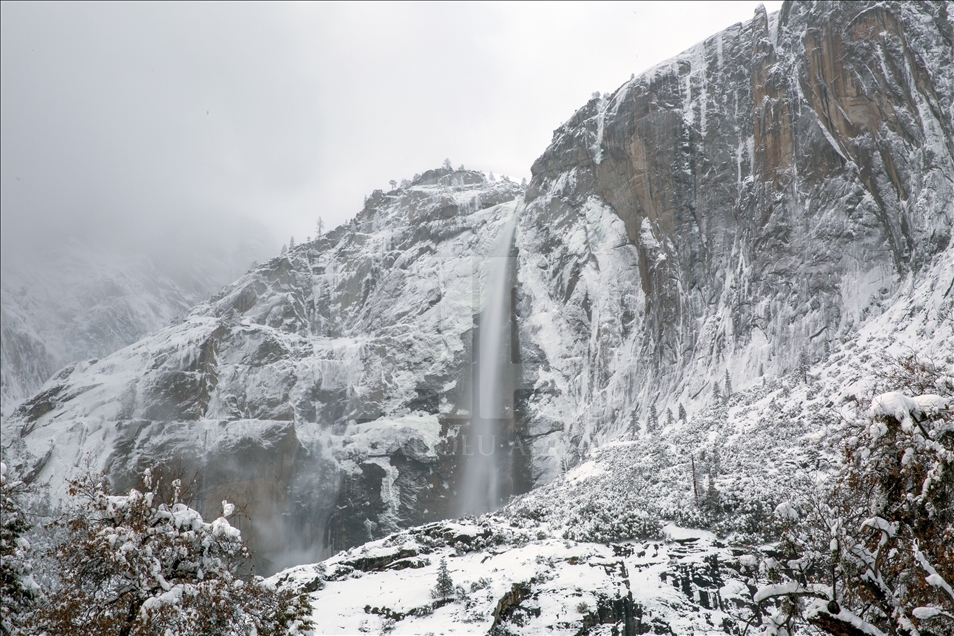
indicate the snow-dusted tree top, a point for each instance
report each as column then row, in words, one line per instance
column 141, row 563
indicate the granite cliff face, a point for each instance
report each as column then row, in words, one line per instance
column 736, row 209
column 735, row 213
column 327, row 389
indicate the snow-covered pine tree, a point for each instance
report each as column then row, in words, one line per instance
column 291, row 243
column 801, row 368
column 874, row 552
column 447, row 165
column 710, row 501
column 18, row 590
column 445, row 585
column 145, row 564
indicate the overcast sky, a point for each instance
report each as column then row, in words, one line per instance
column 129, row 118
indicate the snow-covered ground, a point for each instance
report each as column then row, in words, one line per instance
column 522, row 579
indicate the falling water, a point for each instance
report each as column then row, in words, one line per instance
column 483, row 464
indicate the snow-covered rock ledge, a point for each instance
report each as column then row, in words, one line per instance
column 517, row 577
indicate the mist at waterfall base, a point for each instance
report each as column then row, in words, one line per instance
column 483, row 468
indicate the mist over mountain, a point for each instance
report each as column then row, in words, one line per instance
column 711, row 273
column 73, row 293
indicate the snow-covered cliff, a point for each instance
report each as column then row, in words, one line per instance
column 774, row 204
column 735, row 211
column 326, row 388
column 62, row 302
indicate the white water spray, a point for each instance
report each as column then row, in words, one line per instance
column 480, row 489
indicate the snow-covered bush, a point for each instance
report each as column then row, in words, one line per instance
column 874, row 552
column 17, row 587
column 604, row 519
column 134, row 564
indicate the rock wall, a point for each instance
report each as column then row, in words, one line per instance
column 734, row 211
column 327, row 391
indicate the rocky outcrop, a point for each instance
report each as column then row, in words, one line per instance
column 327, row 391
column 735, row 210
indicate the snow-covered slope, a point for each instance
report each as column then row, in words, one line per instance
column 517, row 578
column 325, row 388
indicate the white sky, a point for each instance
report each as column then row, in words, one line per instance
column 120, row 118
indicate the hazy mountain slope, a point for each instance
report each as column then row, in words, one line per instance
column 79, row 300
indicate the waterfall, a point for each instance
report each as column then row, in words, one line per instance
column 483, row 457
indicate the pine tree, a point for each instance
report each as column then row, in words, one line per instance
column 716, row 392
column 695, row 479
column 445, row 585
column 145, row 563
column 634, row 424
column 653, row 419
column 728, row 386
column 291, row 243
column 801, row 369
column 669, row 418
column 872, row 552
column 320, row 227
column 393, row 184
column 711, row 498
column 17, row 588
column 447, row 165
column 682, row 412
